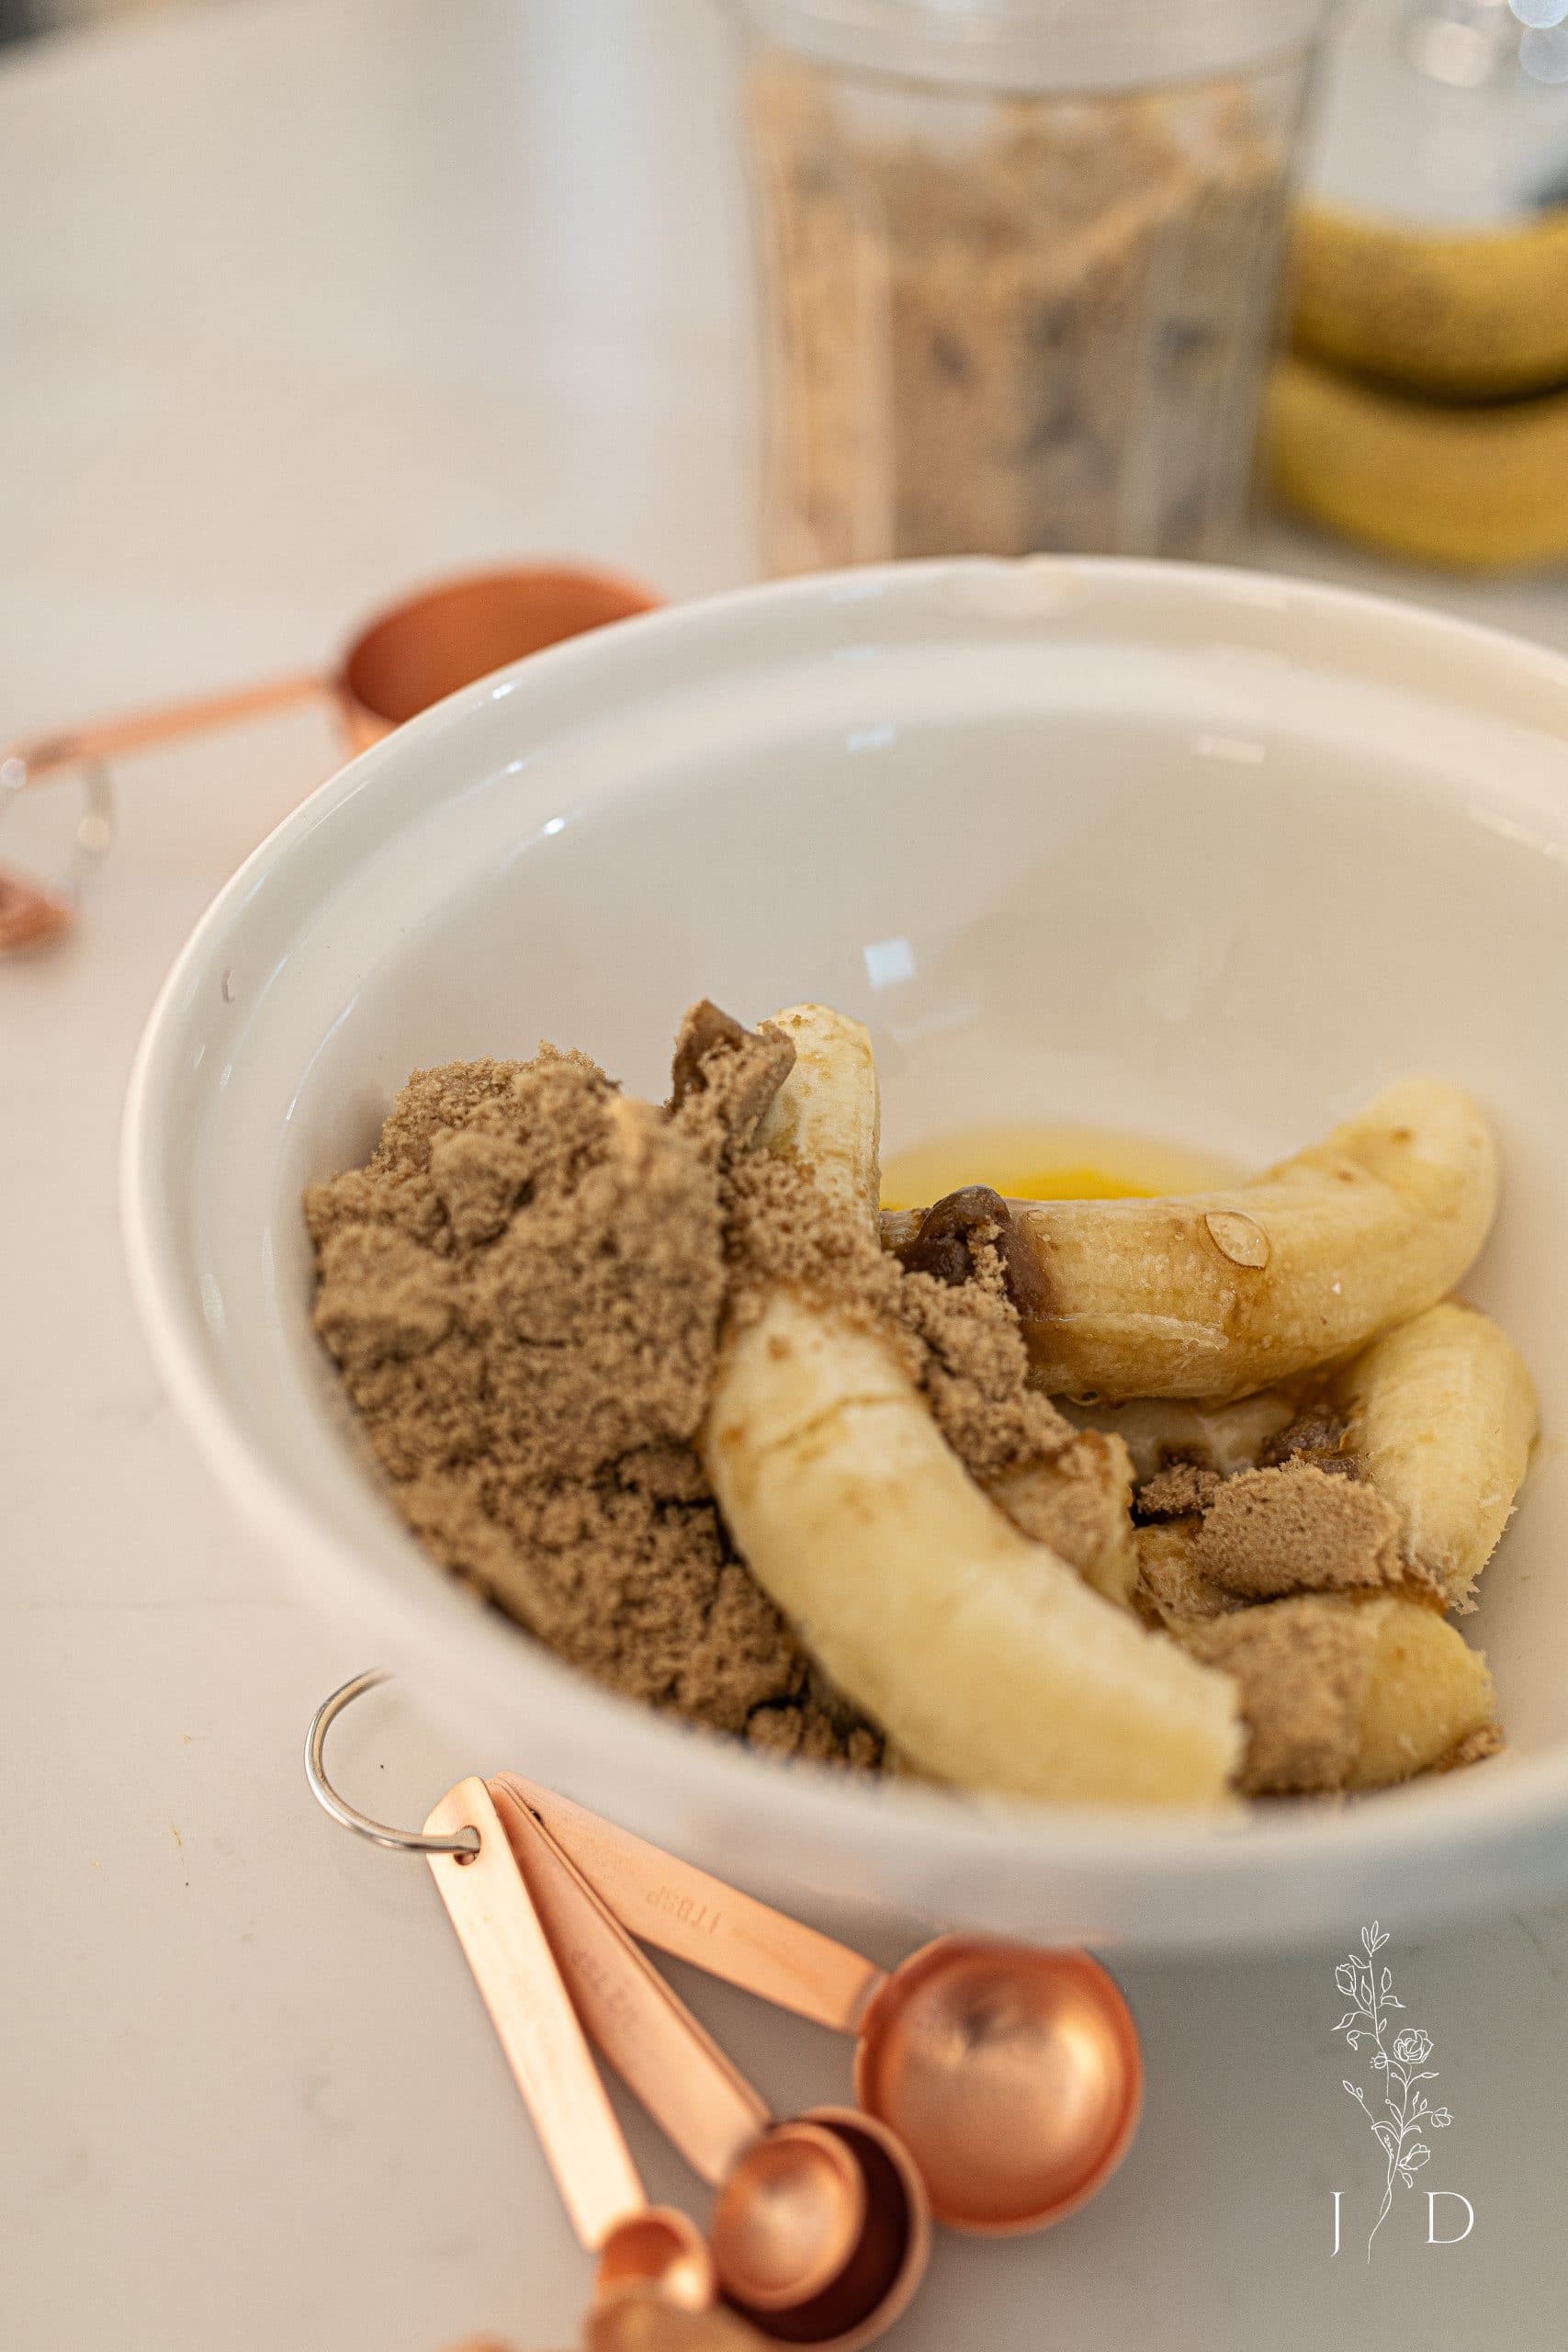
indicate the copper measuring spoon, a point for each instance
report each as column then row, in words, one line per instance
column 410, row 655
column 641, row 2248
column 819, row 2233
column 1013, row 2075
column 792, row 2206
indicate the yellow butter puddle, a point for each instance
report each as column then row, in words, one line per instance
column 1057, row 1162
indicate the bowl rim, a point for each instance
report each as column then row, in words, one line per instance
column 1503, row 1811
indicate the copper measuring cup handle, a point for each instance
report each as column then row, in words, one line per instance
column 36, row 757
column 1012, row 2076
column 31, row 912
column 693, row 1917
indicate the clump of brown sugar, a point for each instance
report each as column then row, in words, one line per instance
column 955, row 1328
column 1176, row 1491
column 974, row 1368
column 523, row 1291
column 1171, row 1590
column 1301, row 1675
column 1296, row 1529
column 1486, row 1740
column 1316, row 1435
column 538, row 1286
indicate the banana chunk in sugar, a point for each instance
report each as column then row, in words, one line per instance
column 1443, row 1415
column 1226, row 1292
column 985, row 1658
column 1341, row 1692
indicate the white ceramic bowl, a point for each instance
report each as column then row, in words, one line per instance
column 1203, row 854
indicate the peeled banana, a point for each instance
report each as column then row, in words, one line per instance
column 1228, row 1292
column 1478, row 489
column 1443, row 1414
column 986, row 1658
column 984, row 1655
column 827, row 1119
column 1426, row 1692
column 828, row 1115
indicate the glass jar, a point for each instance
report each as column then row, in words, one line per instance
column 1020, row 263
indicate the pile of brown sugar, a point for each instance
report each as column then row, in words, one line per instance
column 524, row 1290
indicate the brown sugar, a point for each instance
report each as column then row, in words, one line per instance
column 1177, row 1490
column 523, row 1292
column 1296, row 1529
column 1316, row 1435
column 958, row 1331
column 1049, row 332
column 1302, row 1675
column 975, row 1364
column 1077, row 1502
column 1475, row 1747
column 1171, row 1590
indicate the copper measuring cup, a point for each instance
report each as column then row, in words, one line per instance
column 1013, row 2075
column 819, row 2233
column 642, row 2248
column 410, row 655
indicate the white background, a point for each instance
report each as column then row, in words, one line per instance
column 299, row 303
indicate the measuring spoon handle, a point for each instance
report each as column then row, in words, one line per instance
column 697, row 1917
column 506, row 1947
column 697, row 2097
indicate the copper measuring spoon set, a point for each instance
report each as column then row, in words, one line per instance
column 1013, row 2073
column 998, row 2085
column 819, row 2230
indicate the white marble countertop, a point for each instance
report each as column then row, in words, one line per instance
column 299, row 302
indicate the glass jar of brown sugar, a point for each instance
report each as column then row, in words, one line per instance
column 1020, row 263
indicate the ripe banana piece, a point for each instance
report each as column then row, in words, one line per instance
column 1230, row 1292
column 1443, row 1413
column 986, row 1658
column 827, row 1120
column 1347, row 1693
column 827, row 1117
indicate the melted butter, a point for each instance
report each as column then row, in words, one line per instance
column 1050, row 1162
